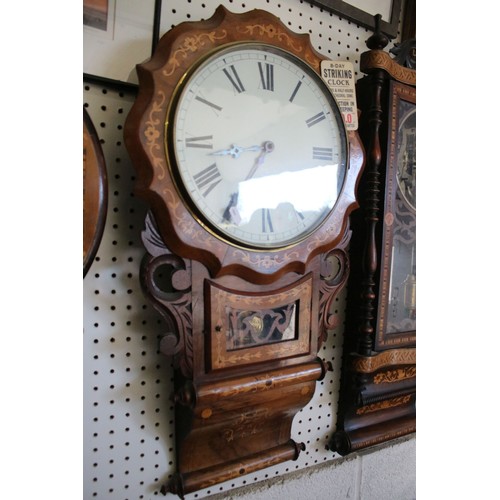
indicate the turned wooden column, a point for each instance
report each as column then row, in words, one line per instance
column 371, row 204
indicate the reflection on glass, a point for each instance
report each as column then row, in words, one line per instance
column 311, row 190
column 249, row 328
column 260, row 146
column 402, row 308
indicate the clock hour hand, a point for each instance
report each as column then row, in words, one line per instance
column 266, row 148
column 235, row 151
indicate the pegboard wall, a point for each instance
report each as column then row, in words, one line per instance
column 129, row 445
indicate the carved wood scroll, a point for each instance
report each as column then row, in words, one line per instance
column 236, row 397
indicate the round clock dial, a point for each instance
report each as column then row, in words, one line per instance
column 259, row 146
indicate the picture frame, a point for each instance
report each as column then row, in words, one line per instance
column 112, row 53
column 362, row 13
column 99, row 17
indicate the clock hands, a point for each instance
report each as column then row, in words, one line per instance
column 235, row 151
column 231, row 212
column 266, row 148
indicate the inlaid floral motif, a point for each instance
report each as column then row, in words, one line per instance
column 391, row 376
column 266, row 261
column 388, row 403
column 275, row 32
column 152, row 134
column 192, row 44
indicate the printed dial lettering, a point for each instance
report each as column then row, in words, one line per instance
column 266, row 71
column 234, row 78
column 267, row 222
column 207, row 179
column 295, row 90
column 204, row 142
column 325, row 154
column 315, row 119
column 208, row 103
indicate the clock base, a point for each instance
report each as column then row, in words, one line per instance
column 382, row 403
column 348, row 441
column 182, row 484
column 230, row 429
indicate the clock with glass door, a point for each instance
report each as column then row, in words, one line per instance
column 258, row 145
column 250, row 175
column 378, row 392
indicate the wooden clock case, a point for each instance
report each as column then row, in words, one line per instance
column 234, row 404
column 378, row 393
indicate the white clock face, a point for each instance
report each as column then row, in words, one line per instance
column 259, row 146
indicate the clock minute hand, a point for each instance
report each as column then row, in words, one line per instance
column 266, row 148
column 235, row 151
column 231, row 212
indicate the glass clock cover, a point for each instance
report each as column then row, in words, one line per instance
column 402, row 287
column 259, row 146
column 398, row 305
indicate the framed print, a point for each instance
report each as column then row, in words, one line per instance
column 116, row 35
column 99, row 17
column 363, row 12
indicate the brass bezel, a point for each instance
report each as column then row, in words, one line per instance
column 169, row 144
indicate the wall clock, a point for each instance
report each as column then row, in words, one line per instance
column 379, row 385
column 95, row 195
column 250, row 176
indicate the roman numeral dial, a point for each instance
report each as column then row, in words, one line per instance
column 266, row 72
column 259, row 146
column 207, row 179
column 234, row 78
column 208, row 103
column 315, row 119
column 295, row 90
column 203, row 142
column 325, row 154
column 267, row 221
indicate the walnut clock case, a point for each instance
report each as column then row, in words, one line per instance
column 378, row 391
column 250, row 175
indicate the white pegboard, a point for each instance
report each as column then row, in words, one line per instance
column 129, row 446
column 331, row 35
column 127, row 415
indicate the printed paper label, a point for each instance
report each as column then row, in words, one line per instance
column 339, row 76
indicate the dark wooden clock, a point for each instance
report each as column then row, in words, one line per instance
column 243, row 157
column 379, row 380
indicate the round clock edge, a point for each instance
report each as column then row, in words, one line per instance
column 184, row 234
column 95, row 199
